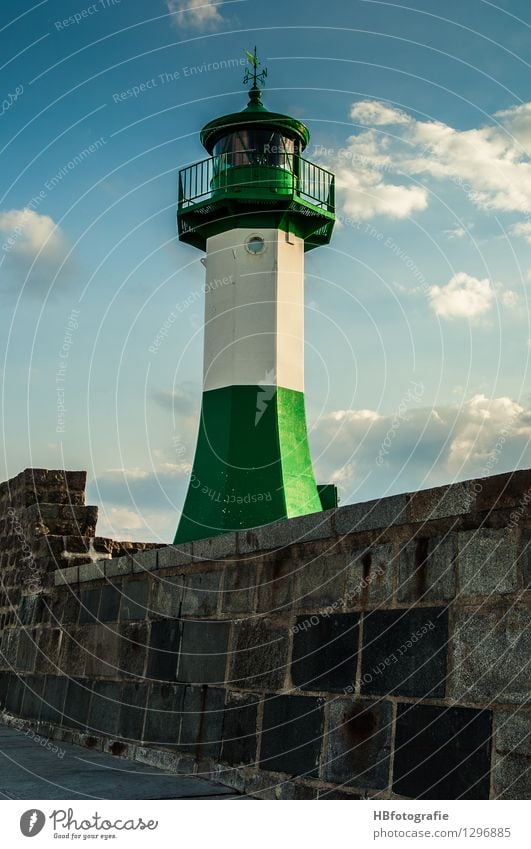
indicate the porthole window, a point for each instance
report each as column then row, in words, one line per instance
column 255, row 244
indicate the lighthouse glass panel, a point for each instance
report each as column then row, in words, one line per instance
column 250, row 146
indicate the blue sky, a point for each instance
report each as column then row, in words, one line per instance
column 417, row 315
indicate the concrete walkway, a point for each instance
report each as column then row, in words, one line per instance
column 30, row 770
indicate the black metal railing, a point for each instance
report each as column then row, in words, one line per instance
column 212, row 177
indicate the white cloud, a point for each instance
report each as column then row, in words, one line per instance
column 522, row 228
column 195, row 14
column 490, row 165
column 463, row 296
column 377, row 114
column 425, row 447
column 34, row 248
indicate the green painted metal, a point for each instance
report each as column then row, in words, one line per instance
column 252, row 464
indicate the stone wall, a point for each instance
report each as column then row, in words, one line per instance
column 379, row 650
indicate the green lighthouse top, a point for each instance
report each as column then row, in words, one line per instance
column 255, row 116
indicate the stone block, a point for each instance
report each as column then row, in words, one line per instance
column 164, row 714
column 239, row 729
column 526, row 558
column 441, row 501
column 109, row 603
column 201, row 594
column 68, row 575
column 69, row 613
column 92, row 571
column 405, row 652
column 32, row 698
column 89, row 603
column 281, row 534
column 220, row 547
column 370, row 576
column 370, row 515
column 77, row 703
column 134, row 600
column 174, row 555
column 325, row 652
column 48, row 651
column 239, row 588
column 14, row 694
column 164, row 643
column 132, row 710
column 321, row 581
column 145, row 561
column 292, row 731
column 512, row 777
column 275, row 590
column 103, row 651
column 105, row 706
column 73, row 654
column 27, row 609
column 203, row 655
column 27, row 650
column 427, row 569
column 513, row 731
column 490, row 656
column 442, row 753
column 118, row 566
column 487, row 561
column 358, row 747
column 166, row 597
column 202, row 722
column 5, row 678
column 133, row 649
column 260, row 654
column 53, row 699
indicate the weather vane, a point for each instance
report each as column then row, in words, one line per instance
column 257, row 77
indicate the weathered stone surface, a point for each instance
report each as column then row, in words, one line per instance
column 512, row 777
column 291, row 735
column 276, row 580
column 203, row 655
column 321, row 581
column 442, row 753
column 132, row 710
column 164, row 645
column 145, row 561
column 487, row 561
column 281, row 534
column 166, row 598
column 92, row 571
column 526, row 558
column 202, row 722
column 441, row 501
column 260, row 654
column 427, row 569
column 381, row 513
column 201, row 594
column 174, row 555
column 77, row 703
column 134, row 600
column 359, row 743
column 27, row 650
column 513, row 731
column 105, row 708
column 103, row 652
column 73, row 654
column 48, row 651
column 133, row 649
column 220, row 547
column 325, row 652
column 109, row 603
column 32, row 698
column 239, row 729
column 118, row 566
column 67, row 575
column 14, row 694
column 405, row 652
column 490, row 656
column 239, row 588
column 164, row 714
column 370, row 576
column 89, row 602
column 53, row 699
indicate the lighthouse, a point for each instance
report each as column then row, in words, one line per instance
column 254, row 206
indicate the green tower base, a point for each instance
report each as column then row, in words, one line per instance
column 252, row 464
